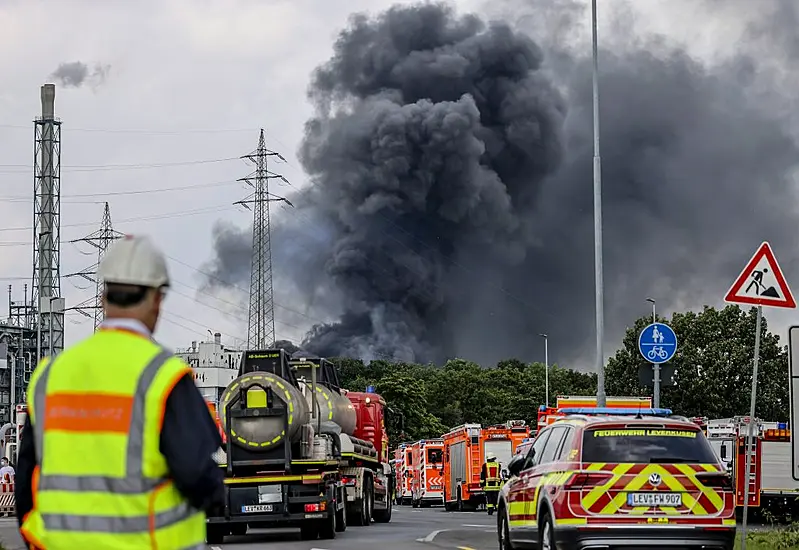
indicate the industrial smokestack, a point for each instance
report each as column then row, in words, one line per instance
column 217, row 338
column 48, row 101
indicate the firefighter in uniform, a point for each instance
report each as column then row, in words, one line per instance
column 101, row 471
column 490, row 482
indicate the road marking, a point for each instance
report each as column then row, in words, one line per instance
column 465, row 548
column 475, row 525
column 431, row 536
column 216, row 548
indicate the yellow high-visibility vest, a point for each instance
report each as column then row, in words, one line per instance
column 100, row 480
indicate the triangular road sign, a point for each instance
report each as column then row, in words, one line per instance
column 761, row 282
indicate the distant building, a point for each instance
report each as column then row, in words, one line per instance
column 215, row 366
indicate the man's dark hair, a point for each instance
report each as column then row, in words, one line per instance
column 125, row 295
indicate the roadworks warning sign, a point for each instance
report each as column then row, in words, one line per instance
column 645, row 433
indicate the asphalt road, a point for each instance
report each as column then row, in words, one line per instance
column 409, row 528
column 420, row 529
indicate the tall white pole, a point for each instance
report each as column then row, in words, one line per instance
column 599, row 284
column 546, row 368
column 655, row 366
column 750, row 432
column 546, row 365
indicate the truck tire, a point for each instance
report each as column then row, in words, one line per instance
column 215, row 534
column 384, row 516
column 369, row 500
column 341, row 518
column 328, row 527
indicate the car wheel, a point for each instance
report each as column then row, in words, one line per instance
column 546, row 534
column 503, row 533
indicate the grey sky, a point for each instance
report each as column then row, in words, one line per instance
column 178, row 67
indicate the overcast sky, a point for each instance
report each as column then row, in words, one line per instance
column 172, row 91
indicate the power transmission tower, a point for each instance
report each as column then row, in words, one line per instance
column 261, row 329
column 100, row 239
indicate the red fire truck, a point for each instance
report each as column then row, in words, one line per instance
column 427, row 480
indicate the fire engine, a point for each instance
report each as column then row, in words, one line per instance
column 770, row 481
column 502, row 440
column 403, row 455
column 465, row 450
column 427, row 479
column 463, row 459
column 547, row 415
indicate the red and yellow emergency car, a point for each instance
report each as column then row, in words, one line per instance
column 608, row 479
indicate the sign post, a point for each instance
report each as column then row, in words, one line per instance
column 657, row 344
column 761, row 283
column 793, row 388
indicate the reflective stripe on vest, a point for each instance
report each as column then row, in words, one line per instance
column 53, row 525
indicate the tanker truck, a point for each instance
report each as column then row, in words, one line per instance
column 299, row 451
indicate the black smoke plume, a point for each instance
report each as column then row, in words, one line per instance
column 450, row 207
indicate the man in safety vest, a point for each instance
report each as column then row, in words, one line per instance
column 491, row 482
column 116, row 451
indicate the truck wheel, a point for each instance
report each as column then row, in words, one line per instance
column 369, row 500
column 215, row 534
column 328, row 527
column 341, row 518
column 308, row 532
column 384, row 516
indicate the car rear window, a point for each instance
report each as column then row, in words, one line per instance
column 646, row 445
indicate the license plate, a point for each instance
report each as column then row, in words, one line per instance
column 653, row 500
column 257, row 508
column 435, row 487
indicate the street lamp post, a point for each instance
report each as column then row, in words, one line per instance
column 546, row 368
column 598, row 282
column 655, row 366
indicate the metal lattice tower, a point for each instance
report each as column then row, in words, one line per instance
column 261, row 329
column 46, row 291
column 101, row 240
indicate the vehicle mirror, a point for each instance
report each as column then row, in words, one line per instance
column 516, row 465
column 723, row 452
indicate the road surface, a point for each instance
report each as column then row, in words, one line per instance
column 420, row 529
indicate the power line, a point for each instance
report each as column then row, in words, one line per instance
column 165, row 215
column 23, row 198
column 145, row 131
column 24, row 168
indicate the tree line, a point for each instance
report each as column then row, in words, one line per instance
column 712, row 376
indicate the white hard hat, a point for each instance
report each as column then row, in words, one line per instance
column 490, row 457
column 134, row 260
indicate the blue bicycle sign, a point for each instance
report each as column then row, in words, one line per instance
column 657, row 343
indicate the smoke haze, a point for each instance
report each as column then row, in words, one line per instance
column 450, row 211
column 75, row 74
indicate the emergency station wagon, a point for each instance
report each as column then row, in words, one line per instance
column 606, row 479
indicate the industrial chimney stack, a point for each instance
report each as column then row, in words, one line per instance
column 47, row 299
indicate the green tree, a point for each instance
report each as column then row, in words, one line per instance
column 713, row 366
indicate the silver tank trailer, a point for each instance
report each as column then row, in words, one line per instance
column 266, row 432
column 334, row 407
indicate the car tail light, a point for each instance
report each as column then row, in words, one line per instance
column 587, row 479
column 715, row 479
column 317, row 507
